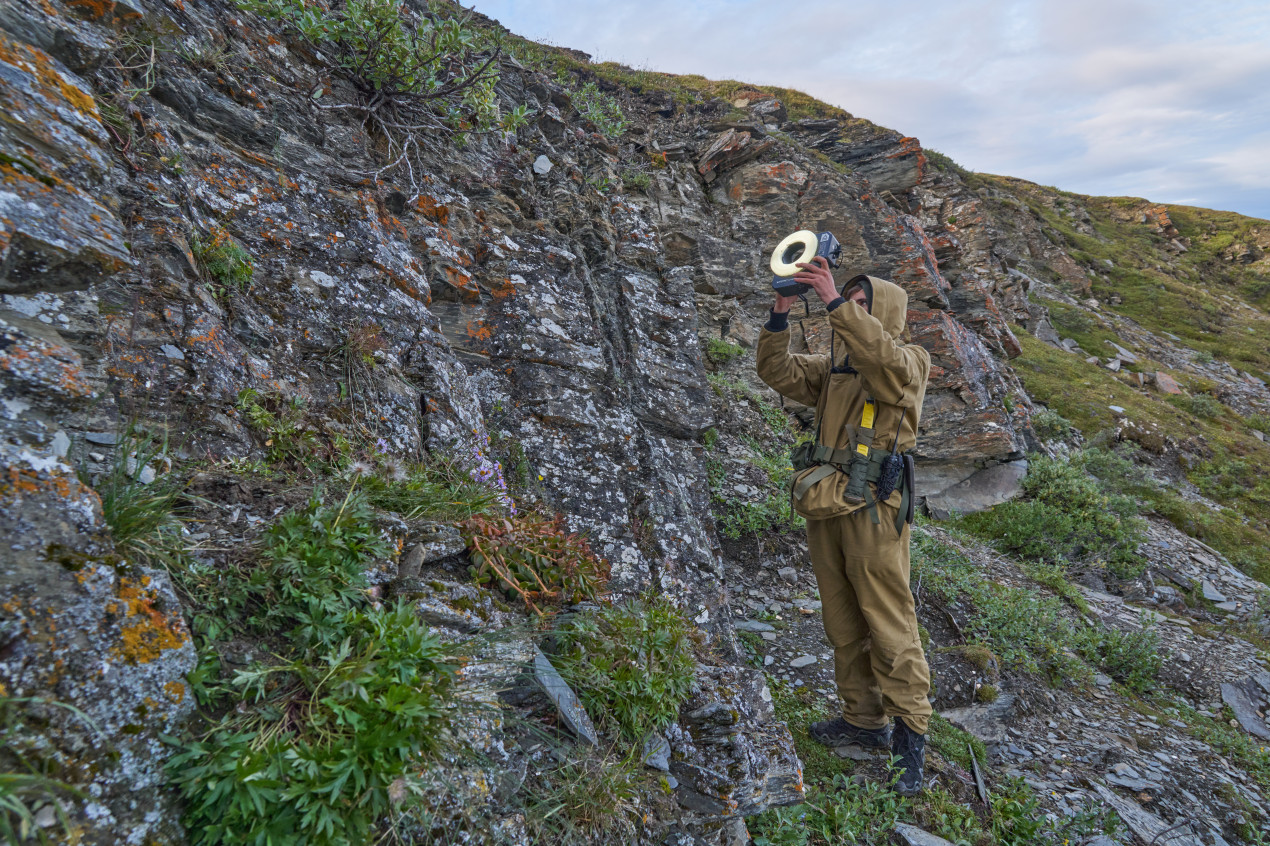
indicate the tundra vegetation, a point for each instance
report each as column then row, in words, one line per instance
column 326, row 704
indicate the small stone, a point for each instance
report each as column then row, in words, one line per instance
column 752, row 626
column 789, row 574
column 768, row 636
column 768, row 660
column 1211, row 593
column 1116, row 409
column 542, row 165
column 657, row 752
column 1102, row 680
column 172, row 352
column 853, row 752
column 671, row 781
column 1227, row 606
column 61, row 444
column 803, row 661
column 103, row 438
column 911, row 835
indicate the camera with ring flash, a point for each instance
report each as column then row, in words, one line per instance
column 800, row 248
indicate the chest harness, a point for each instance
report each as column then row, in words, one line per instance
column 864, row 461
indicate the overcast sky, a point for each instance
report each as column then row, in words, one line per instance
column 1168, row 100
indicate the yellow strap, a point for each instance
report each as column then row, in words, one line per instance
column 866, row 422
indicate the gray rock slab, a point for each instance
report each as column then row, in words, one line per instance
column 1211, row 593
column 911, row 835
column 1146, row 825
column 572, row 714
column 172, row 351
column 1240, row 698
column 803, row 661
column 542, row 165
column 1123, row 354
column 984, row 721
column 990, row 486
column 752, row 626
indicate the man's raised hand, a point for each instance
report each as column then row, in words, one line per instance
column 816, row 273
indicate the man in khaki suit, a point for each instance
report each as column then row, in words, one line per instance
column 868, row 399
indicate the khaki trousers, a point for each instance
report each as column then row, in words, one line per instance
column 862, row 570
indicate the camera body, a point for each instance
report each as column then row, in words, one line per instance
column 801, row 247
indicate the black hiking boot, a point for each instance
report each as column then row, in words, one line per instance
column 838, row 732
column 910, row 748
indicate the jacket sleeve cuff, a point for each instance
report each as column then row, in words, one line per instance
column 777, row 321
column 832, row 304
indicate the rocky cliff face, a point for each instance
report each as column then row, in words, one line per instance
column 549, row 290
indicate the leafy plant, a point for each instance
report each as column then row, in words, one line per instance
column 1131, row 657
column 313, row 569
column 534, row 558
column 721, row 352
column 225, row 262
column 843, row 811
column 632, row 664
column 324, row 746
column 1201, row 405
column 1050, row 425
column 601, row 109
column 735, row 517
column 281, row 424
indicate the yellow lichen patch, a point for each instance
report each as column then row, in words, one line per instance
column 40, row 64
column 175, row 691
column 146, row 632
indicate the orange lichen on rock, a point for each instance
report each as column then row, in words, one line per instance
column 146, row 632
column 430, row 208
column 40, row 65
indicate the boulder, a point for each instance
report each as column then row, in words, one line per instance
column 990, row 486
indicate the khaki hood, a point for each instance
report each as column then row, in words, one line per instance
column 888, row 302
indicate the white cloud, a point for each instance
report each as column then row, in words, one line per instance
column 1165, row 99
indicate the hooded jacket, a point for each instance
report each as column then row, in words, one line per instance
column 888, row 370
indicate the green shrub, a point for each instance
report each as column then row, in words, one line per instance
column 281, row 426
column 1130, row 657
column 1050, row 425
column 601, row 109
column 225, row 262
column 534, row 558
column 1201, row 405
column 410, row 75
column 721, row 352
column 1024, row 628
column 1065, row 516
column 736, row 518
column 843, row 811
column 632, row 664
column 638, row 180
column 328, row 744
